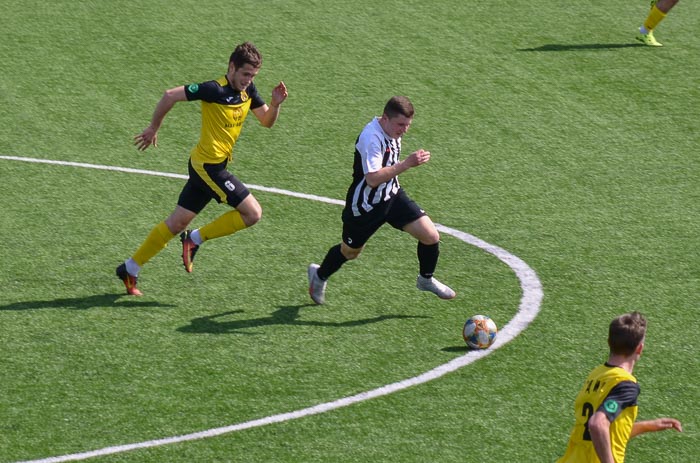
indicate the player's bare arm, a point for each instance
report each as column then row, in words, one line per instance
column 149, row 136
column 599, row 426
column 384, row 174
column 267, row 115
column 659, row 424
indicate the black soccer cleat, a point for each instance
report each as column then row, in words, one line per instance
column 128, row 280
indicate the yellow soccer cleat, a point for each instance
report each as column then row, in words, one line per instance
column 648, row 39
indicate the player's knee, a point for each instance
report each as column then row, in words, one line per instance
column 176, row 225
column 350, row 253
column 252, row 216
column 431, row 238
column 250, row 210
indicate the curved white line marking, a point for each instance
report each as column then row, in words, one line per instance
column 528, row 309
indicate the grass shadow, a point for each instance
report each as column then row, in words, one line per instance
column 286, row 315
column 459, row 349
column 84, row 303
column 582, row 46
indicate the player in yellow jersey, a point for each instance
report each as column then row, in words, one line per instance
column 606, row 406
column 659, row 10
column 225, row 105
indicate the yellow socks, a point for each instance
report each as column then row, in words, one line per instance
column 156, row 240
column 227, row 224
column 654, row 18
column 159, row 237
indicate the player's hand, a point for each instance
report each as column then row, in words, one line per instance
column 418, row 157
column 279, row 94
column 146, row 138
column 667, row 423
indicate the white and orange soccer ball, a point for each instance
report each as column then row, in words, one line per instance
column 479, row 332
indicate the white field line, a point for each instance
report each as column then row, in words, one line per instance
column 528, row 309
column 167, row 174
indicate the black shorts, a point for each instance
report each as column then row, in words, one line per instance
column 211, row 181
column 398, row 212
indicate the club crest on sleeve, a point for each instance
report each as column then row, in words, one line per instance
column 611, row 406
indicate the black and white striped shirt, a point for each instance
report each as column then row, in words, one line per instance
column 374, row 149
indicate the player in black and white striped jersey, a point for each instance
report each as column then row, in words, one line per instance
column 375, row 197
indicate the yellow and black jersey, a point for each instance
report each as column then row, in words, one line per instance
column 223, row 111
column 613, row 391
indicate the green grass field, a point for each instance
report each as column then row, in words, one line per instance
column 554, row 136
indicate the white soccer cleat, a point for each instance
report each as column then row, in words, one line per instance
column 434, row 286
column 317, row 286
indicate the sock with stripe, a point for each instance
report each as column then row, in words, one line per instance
column 427, row 258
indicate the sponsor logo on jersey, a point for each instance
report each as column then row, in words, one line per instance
column 193, row 88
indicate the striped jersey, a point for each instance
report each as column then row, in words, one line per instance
column 223, row 111
column 374, row 150
column 613, row 391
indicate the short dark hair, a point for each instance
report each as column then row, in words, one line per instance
column 246, row 53
column 626, row 333
column 398, row 105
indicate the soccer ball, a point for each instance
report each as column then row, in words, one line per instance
column 479, row 332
